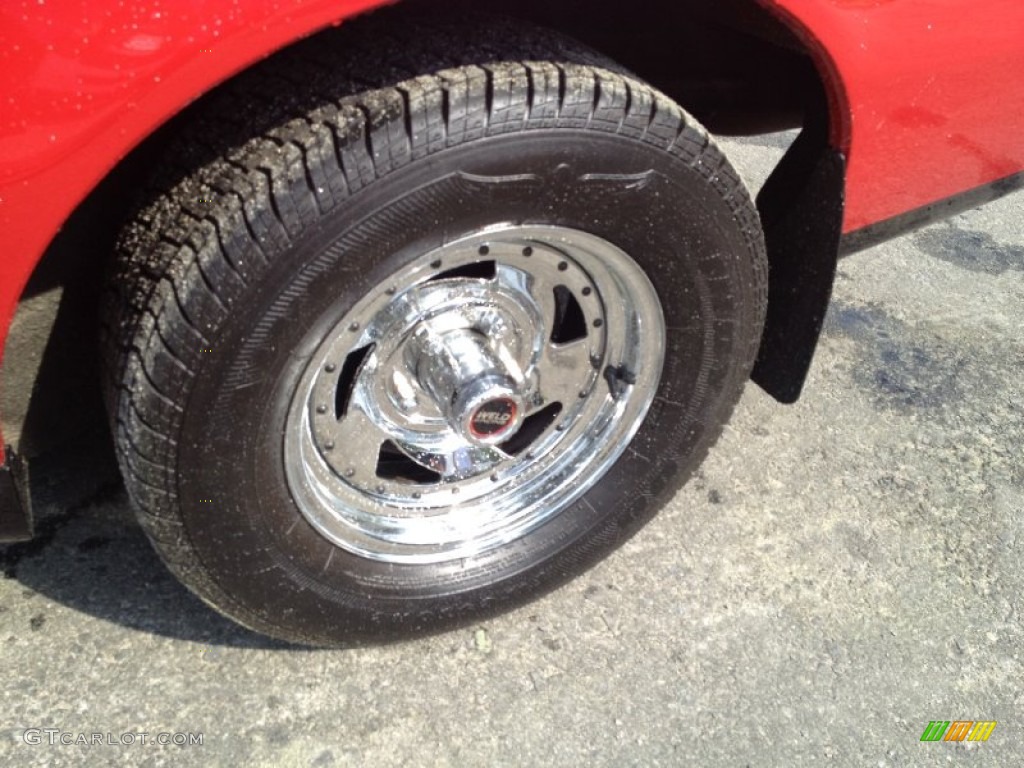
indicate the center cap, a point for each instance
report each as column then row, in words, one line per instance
column 494, row 419
column 478, row 393
column 487, row 410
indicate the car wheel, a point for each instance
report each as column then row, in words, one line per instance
column 422, row 352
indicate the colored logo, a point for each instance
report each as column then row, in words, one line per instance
column 493, row 417
column 958, row 730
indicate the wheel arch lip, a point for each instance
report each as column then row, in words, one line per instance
column 804, row 27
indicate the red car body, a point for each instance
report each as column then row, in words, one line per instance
column 925, row 97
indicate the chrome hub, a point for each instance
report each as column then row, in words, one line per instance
column 476, row 386
column 482, row 389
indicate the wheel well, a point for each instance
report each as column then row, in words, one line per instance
column 732, row 64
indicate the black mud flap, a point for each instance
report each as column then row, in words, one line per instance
column 801, row 207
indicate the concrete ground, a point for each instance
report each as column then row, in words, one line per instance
column 840, row 573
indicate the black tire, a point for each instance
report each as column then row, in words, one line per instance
column 228, row 275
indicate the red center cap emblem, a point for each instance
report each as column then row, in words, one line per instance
column 493, row 417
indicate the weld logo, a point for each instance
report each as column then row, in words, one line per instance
column 958, row 730
column 493, row 417
column 489, row 417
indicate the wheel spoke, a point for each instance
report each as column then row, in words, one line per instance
column 354, row 445
column 542, row 289
column 472, row 460
column 565, row 371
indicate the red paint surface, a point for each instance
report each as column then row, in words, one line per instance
column 928, row 95
column 934, row 96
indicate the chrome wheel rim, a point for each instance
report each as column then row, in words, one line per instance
column 479, row 392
